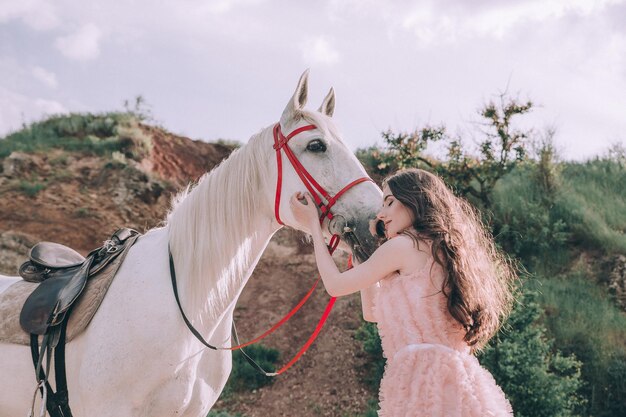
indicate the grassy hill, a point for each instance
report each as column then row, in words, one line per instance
column 571, row 237
column 74, row 178
column 565, row 224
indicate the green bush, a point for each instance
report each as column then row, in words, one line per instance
column 525, row 221
column 31, row 188
column 94, row 134
column 584, row 322
column 223, row 414
column 368, row 334
column 537, row 379
column 593, row 203
column 545, row 228
column 243, row 376
column 372, row 410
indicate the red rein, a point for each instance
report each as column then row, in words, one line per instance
column 319, row 195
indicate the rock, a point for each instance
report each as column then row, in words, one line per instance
column 19, row 165
column 14, row 248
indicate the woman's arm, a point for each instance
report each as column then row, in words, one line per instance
column 368, row 296
column 385, row 260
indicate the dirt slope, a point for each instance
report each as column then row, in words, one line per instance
column 326, row 380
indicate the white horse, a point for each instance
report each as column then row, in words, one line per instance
column 137, row 357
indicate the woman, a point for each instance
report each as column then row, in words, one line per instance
column 438, row 289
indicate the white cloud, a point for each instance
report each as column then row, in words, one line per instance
column 37, row 14
column 224, row 6
column 17, row 109
column 432, row 22
column 46, row 107
column 564, row 54
column 319, row 51
column 499, row 20
column 83, row 45
column 46, row 77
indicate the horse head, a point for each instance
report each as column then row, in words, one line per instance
column 311, row 156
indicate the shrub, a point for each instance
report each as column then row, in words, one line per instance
column 372, row 410
column 223, row 414
column 368, row 334
column 537, row 379
column 95, row 134
column 585, row 323
column 246, row 378
column 82, row 212
column 593, row 202
column 526, row 221
column 31, row 189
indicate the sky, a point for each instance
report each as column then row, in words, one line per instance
column 223, row 69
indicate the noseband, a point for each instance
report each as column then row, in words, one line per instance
column 319, row 195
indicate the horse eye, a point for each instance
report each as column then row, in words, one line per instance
column 316, row 145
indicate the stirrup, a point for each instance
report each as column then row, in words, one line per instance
column 41, row 385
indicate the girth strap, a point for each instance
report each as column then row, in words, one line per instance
column 57, row 403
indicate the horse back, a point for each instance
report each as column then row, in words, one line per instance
column 6, row 282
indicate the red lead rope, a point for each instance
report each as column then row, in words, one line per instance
column 315, row 189
column 334, row 241
column 280, row 143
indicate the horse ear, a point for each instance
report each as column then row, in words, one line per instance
column 328, row 105
column 298, row 100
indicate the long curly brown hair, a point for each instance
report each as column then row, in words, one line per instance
column 479, row 279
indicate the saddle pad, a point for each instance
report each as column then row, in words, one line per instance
column 13, row 298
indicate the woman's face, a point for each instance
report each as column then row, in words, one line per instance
column 395, row 215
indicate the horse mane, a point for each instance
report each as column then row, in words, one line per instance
column 211, row 226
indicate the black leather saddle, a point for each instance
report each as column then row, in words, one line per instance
column 62, row 273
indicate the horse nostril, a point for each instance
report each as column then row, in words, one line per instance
column 380, row 229
column 347, row 229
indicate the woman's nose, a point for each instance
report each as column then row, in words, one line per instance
column 380, row 215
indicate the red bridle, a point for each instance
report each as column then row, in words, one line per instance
column 317, row 191
column 319, row 195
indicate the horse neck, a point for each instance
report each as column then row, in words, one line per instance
column 218, row 231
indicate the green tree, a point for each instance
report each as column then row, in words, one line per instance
column 406, row 149
column 502, row 147
column 537, row 379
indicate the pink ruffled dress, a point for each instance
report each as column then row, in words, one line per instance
column 430, row 370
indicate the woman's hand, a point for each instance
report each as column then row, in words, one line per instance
column 305, row 213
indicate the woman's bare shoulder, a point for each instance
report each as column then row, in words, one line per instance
column 398, row 245
column 405, row 241
column 414, row 254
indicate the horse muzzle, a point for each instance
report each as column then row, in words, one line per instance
column 357, row 234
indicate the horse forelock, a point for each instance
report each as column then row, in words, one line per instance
column 211, row 225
